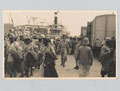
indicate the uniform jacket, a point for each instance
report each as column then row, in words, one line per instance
column 63, row 45
column 84, row 55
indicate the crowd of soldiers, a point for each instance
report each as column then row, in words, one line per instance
column 24, row 54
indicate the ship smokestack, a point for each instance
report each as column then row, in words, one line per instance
column 55, row 19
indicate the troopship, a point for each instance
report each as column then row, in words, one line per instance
column 54, row 30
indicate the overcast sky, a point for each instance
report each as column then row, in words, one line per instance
column 73, row 20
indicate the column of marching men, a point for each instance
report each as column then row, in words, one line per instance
column 23, row 54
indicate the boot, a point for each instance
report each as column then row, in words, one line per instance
column 77, row 67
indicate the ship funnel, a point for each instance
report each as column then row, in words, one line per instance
column 55, row 19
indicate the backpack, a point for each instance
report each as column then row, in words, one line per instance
column 17, row 55
column 31, row 52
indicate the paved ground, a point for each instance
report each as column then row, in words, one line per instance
column 68, row 70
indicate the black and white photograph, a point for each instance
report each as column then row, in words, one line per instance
column 59, row 44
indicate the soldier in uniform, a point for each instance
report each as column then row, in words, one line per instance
column 85, row 57
column 70, row 46
column 75, row 54
column 9, row 61
column 15, row 55
column 6, row 47
column 105, row 58
column 40, row 45
column 56, row 42
column 30, row 56
column 63, row 47
column 36, row 50
column 22, row 44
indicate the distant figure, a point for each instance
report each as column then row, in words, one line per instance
column 70, row 46
column 113, row 42
column 75, row 54
column 56, row 43
column 97, row 48
column 103, row 43
column 85, row 58
column 63, row 47
column 74, row 42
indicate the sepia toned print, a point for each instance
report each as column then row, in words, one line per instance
column 59, row 44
